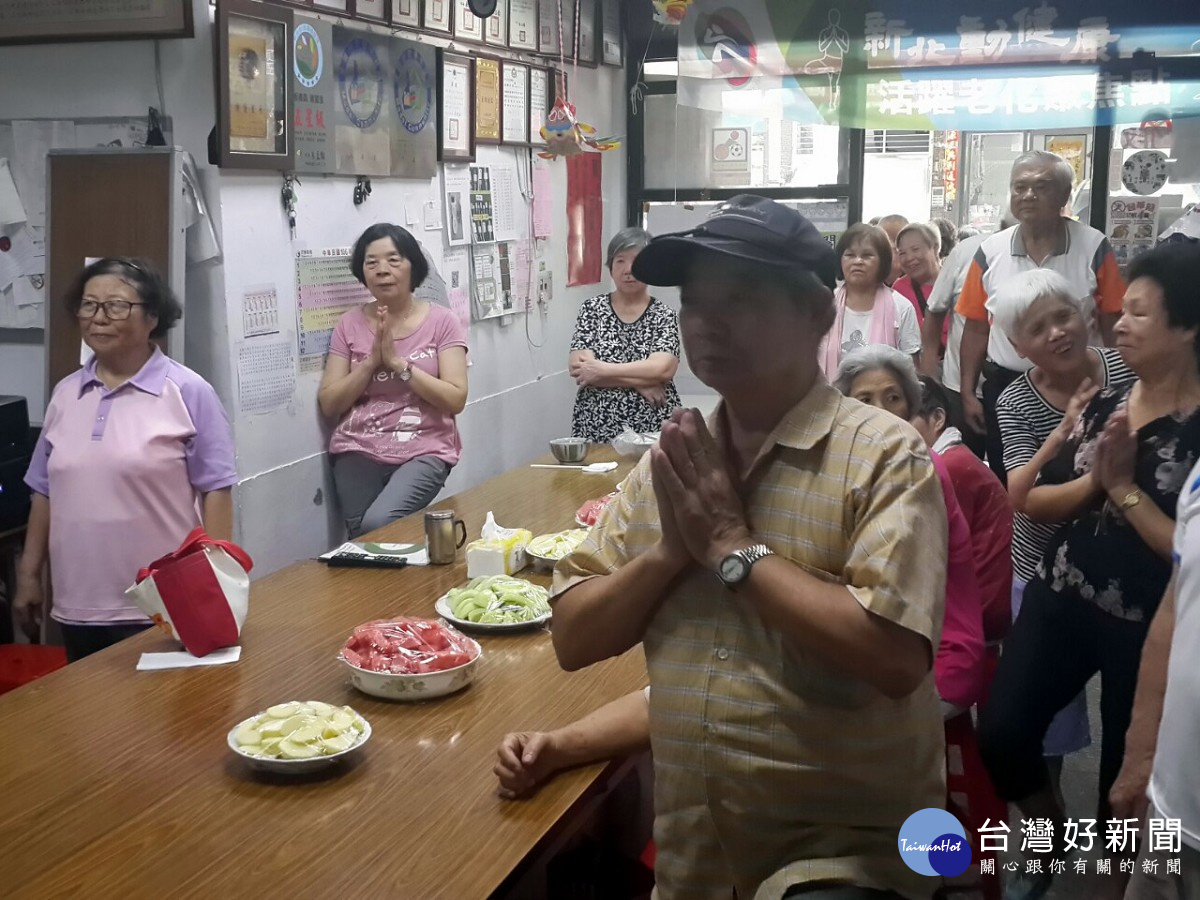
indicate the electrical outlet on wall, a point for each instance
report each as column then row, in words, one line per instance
column 545, row 290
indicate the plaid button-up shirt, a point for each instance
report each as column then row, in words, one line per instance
column 771, row 768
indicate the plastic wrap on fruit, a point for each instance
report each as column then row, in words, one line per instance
column 565, row 135
column 671, row 12
column 407, row 646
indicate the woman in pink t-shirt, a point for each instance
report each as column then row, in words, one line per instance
column 395, row 378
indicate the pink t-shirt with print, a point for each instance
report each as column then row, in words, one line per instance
column 389, row 423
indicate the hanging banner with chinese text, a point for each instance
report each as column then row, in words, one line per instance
column 860, row 65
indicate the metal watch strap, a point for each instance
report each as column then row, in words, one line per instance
column 754, row 553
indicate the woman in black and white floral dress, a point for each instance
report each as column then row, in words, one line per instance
column 624, row 352
column 1115, row 485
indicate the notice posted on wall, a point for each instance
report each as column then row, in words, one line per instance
column 483, row 225
column 456, row 265
column 1132, row 226
column 266, row 375
column 260, row 310
column 325, row 290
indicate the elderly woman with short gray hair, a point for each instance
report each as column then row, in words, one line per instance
column 1048, row 323
column 624, row 352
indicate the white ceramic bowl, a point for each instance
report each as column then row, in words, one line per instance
column 424, row 686
column 294, row 766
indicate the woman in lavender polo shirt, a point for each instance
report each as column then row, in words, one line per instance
column 395, row 378
column 135, row 452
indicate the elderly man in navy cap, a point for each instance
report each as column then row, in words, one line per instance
column 783, row 564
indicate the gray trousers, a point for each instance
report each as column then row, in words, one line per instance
column 1158, row 883
column 373, row 494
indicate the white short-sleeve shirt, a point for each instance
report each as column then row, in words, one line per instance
column 1174, row 788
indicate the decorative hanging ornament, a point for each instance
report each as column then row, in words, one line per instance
column 671, row 12
column 565, row 135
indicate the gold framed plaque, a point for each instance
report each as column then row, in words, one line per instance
column 488, row 103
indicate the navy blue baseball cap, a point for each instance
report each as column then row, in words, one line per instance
column 748, row 227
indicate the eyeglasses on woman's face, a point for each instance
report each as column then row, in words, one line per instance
column 114, row 310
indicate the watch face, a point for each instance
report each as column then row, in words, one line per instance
column 733, row 569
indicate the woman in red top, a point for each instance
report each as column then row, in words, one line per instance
column 917, row 249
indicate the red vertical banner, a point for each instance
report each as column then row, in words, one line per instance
column 585, row 219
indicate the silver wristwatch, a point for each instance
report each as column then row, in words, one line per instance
column 735, row 568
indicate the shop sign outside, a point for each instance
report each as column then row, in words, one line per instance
column 762, row 54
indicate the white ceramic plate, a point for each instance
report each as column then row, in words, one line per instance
column 425, row 686
column 443, row 609
column 294, row 766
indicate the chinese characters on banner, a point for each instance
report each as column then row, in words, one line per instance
column 1031, row 33
column 924, row 67
column 585, row 218
column 1025, row 93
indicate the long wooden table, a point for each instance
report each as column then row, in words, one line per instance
column 117, row 783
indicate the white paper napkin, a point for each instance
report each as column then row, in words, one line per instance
column 181, row 659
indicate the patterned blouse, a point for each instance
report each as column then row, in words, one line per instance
column 601, row 413
column 1099, row 557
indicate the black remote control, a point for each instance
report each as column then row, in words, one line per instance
column 348, row 561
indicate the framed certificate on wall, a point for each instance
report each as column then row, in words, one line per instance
column 456, row 105
column 540, row 92
column 611, row 47
column 435, row 15
column 589, row 45
column 495, row 26
column 371, row 10
column 45, row 22
column 406, row 13
column 340, row 6
column 254, row 103
column 467, row 25
column 523, row 24
column 514, row 118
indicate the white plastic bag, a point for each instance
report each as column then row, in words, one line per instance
column 633, row 444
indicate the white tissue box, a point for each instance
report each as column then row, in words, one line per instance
column 504, row 556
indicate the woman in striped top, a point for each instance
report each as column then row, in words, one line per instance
column 1045, row 321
